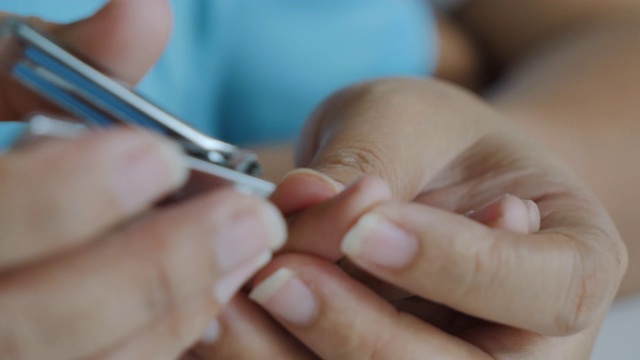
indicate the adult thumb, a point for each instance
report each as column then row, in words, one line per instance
column 124, row 38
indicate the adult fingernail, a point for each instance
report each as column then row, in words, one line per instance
column 148, row 171
column 229, row 284
column 378, row 241
column 286, row 296
column 250, row 232
column 316, row 175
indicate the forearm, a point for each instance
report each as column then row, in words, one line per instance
column 578, row 94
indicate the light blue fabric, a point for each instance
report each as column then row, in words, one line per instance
column 251, row 71
column 9, row 131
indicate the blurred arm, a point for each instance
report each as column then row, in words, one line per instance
column 570, row 76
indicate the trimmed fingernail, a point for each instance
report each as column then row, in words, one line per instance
column 286, row 296
column 376, row 240
column 534, row 215
column 230, row 283
column 336, row 186
column 149, row 172
column 211, row 333
column 249, row 233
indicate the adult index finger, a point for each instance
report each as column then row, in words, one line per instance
column 60, row 194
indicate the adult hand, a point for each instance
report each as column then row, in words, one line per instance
column 448, row 153
column 125, row 38
column 88, row 268
column 242, row 319
column 338, row 317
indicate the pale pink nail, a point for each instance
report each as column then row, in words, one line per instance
column 507, row 212
column 378, row 241
column 284, row 295
column 534, row 215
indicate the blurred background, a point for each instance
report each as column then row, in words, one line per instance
column 619, row 337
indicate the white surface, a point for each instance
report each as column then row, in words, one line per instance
column 620, row 335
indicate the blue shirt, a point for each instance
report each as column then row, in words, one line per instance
column 251, row 71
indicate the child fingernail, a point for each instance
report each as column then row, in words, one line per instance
column 488, row 212
column 534, row 215
column 380, row 242
column 286, row 296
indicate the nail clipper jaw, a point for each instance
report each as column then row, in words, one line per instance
column 35, row 60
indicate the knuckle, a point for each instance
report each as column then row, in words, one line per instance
column 362, row 159
column 162, row 284
column 372, row 345
column 356, row 159
column 380, row 346
column 354, row 341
